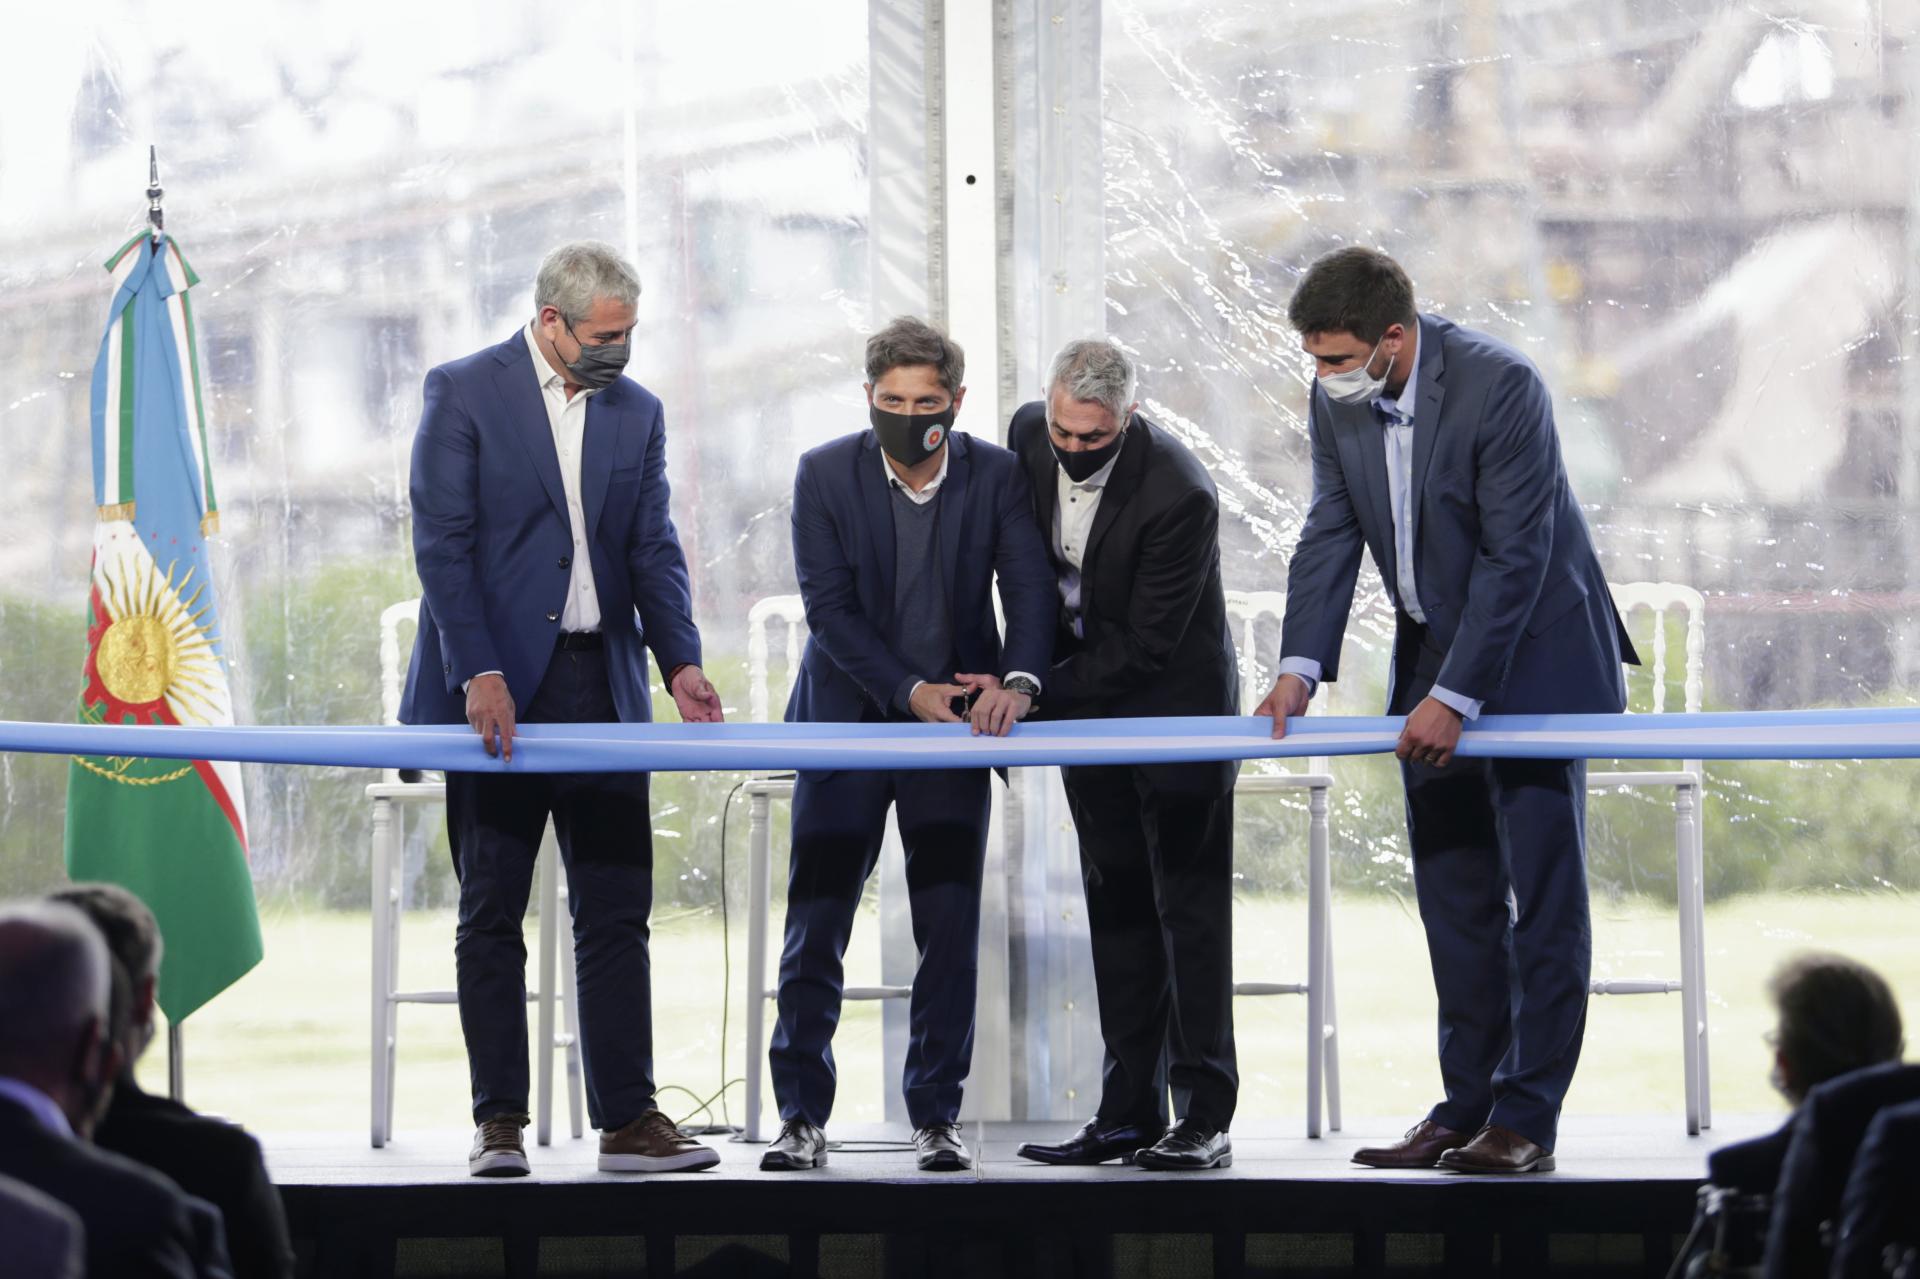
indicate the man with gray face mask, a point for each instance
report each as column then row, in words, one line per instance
column 549, row 566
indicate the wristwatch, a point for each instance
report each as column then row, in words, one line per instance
column 1021, row 684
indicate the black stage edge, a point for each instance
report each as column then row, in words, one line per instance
column 1618, row 1206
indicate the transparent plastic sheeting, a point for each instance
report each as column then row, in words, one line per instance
column 666, row 748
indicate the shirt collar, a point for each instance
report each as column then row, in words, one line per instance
column 549, row 377
column 931, row 487
column 36, row 1103
column 1098, row 480
column 1403, row 406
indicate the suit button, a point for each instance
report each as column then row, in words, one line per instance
column 565, row 561
column 448, row 668
column 553, row 617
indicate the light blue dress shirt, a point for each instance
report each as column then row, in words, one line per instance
column 1396, row 416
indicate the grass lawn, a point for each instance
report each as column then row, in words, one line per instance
column 287, row 1048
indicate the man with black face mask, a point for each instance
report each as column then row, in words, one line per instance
column 1133, row 522
column 898, row 534
column 549, row 566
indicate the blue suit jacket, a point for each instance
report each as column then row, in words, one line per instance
column 492, row 541
column 843, row 555
column 1506, row 570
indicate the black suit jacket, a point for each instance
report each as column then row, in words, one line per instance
column 139, row 1224
column 1826, row 1135
column 1153, row 610
column 211, row 1160
column 1751, row 1167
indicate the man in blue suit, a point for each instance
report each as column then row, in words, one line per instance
column 898, row 534
column 548, row 565
column 1434, row 449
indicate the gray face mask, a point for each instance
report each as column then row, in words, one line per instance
column 598, row 366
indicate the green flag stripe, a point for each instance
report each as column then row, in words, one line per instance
column 125, row 442
column 199, row 405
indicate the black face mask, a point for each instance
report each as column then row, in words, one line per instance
column 911, row 438
column 1081, row 467
column 598, row 366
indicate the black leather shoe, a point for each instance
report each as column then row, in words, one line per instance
column 799, row 1146
column 1095, row 1143
column 1188, row 1147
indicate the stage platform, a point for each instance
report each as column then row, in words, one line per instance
column 1621, row 1199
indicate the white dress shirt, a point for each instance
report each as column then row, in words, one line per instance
column 1397, row 422
column 927, row 493
column 1076, row 503
column 38, row 1104
column 567, row 418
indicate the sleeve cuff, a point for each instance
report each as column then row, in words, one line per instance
column 477, row 674
column 903, row 696
column 1468, row 707
column 1305, row 667
column 1038, row 682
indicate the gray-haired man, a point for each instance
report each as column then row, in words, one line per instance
column 549, row 566
column 1133, row 523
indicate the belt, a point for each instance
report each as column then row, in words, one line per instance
column 578, row 641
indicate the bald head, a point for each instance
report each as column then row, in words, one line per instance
column 54, row 984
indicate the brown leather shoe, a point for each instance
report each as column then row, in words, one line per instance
column 652, row 1144
column 1422, row 1147
column 1497, row 1149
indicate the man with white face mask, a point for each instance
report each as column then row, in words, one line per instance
column 1434, row 449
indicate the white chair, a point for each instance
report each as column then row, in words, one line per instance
column 1661, row 599
column 1245, row 609
column 789, row 616
column 390, row 796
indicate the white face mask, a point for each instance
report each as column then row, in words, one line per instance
column 1356, row 385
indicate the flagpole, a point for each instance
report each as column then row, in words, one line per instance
column 176, row 1063
column 156, row 220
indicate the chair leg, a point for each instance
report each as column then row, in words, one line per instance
column 759, row 855
column 1697, row 902
column 379, row 1055
column 1317, row 900
column 543, row 1040
column 1687, row 884
column 394, row 912
column 570, row 1019
column 1332, row 1041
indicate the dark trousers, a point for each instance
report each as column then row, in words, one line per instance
column 1157, row 863
column 839, row 820
column 605, row 832
column 1511, row 977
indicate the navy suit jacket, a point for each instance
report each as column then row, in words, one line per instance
column 1506, row 570
column 843, row 555
column 493, row 544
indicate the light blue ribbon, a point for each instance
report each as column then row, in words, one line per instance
column 674, row 748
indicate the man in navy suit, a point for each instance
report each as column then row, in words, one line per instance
column 898, row 534
column 549, row 564
column 1434, row 449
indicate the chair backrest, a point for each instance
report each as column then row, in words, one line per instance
column 1250, row 614
column 393, row 661
column 788, row 615
column 393, row 664
column 1664, row 599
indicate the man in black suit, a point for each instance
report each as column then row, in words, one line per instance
column 56, row 1063
column 1132, row 520
column 208, row 1158
column 1827, row 1133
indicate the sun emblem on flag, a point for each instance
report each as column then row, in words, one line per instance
column 151, row 659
